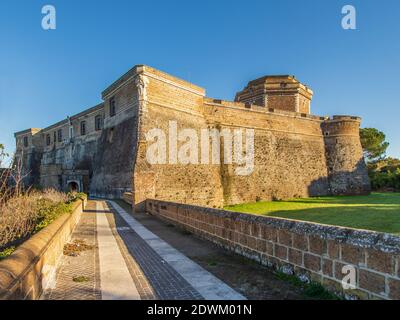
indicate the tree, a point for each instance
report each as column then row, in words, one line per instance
column 373, row 143
column 3, row 154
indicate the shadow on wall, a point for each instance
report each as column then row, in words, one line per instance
column 354, row 182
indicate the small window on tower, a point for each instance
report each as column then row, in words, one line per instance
column 111, row 135
column 83, row 128
column 25, row 142
column 112, row 107
column 59, row 133
column 48, row 139
column 98, row 122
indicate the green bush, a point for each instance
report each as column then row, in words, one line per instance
column 6, row 252
column 385, row 174
column 49, row 212
column 385, row 180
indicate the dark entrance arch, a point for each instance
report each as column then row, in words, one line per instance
column 73, row 186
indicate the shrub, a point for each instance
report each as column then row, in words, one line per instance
column 385, row 174
column 385, row 180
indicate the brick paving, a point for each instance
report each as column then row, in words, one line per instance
column 143, row 285
column 153, row 277
column 165, row 281
column 86, row 264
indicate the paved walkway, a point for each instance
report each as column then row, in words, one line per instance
column 113, row 256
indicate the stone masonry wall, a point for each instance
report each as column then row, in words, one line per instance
column 185, row 183
column 311, row 251
column 292, row 151
column 289, row 153
column 296, row 154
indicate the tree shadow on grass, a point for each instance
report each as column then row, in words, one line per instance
column 381, row 218
column 372, row 199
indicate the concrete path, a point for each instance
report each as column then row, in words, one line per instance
column 115, row 279
column 118, row 258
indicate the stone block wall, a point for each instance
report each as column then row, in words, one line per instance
column 313, row 252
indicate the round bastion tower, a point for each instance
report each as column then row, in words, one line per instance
column 344, row 156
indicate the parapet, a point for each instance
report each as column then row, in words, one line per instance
column 341, row 125
column 30, row 131
column 153, row 73
column 258, row 108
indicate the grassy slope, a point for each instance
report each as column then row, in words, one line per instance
column 378, row 211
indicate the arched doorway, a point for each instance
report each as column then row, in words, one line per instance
column 73, row 186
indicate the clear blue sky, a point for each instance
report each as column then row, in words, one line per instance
column 220, row 45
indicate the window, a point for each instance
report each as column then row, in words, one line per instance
column 25, row 142
column 98, row 122
column 48, row 141
column 111, row 135
column 54, row 137
column 112, row 107
column 71, row 132
column 83, row 128
column 59, row 133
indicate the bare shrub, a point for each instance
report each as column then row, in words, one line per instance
column 21, row 214
column 26, row 211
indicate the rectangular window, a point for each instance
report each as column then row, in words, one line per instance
column 59, row 133
column 98, row 122
column 83, row 128
column 48, row 140
column 25, row 142
column 112, row 107
column 54, row 136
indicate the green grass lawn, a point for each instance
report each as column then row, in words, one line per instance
column 378, row 211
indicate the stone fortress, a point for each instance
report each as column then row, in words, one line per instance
column 102, row 150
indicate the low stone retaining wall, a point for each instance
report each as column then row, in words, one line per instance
column 127, row 197
column 312, row 251
column 32, row 267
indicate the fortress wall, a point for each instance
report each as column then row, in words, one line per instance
column 29, row 157
column 283, row 102
column 296, row 154
column 304, row 105
column 186, row 183
column 171, row 92
column 291, row 151
column 49, row 176
column 125, row 100
column 116, row 147
column 289, row 155
column 69, row 154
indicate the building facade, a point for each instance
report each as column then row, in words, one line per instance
column 102, row 150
